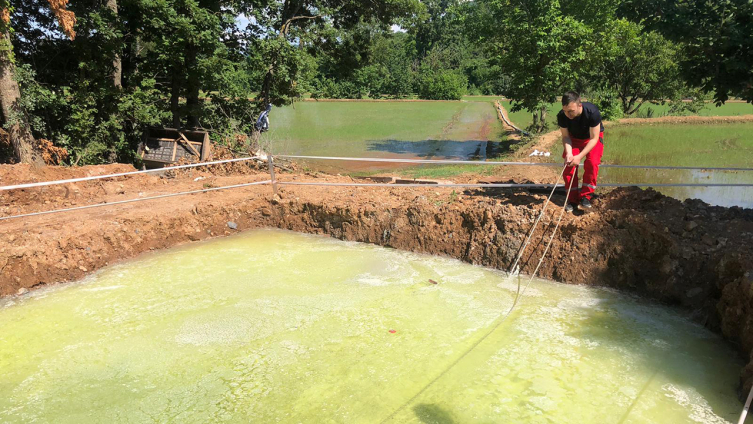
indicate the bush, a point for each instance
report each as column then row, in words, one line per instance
column 608, row 103
column 441, row 85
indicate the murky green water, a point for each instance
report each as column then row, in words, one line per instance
column 272, row 326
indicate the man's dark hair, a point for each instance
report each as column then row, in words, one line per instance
column 569, row 97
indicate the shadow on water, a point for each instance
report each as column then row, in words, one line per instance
column 432, row 414
column 440, row 149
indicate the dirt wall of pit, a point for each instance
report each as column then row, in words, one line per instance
column 636, row 241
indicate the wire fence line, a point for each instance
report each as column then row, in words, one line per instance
column 141, row 199
column 124, row 174
column 386, row 160
column 498, row 163
column 275, row 182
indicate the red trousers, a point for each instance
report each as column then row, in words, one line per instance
column 590, row 169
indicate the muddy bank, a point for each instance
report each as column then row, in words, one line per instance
column 679, row 253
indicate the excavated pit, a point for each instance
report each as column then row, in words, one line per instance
column 679, row 253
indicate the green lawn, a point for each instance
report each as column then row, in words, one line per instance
column 713, row 145
column 457, row 129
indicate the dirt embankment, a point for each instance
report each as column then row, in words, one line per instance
column 687, row 120
column 679, row 253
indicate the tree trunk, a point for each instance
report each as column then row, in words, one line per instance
column 539, row 120
column 175, row 99
column 117, row 64
column 15, row 118
column 193, row 85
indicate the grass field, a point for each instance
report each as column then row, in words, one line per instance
column 727, row 109
column 720, row 145
column 458, row 130
column 523, row 118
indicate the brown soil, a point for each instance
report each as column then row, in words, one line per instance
column 637, row 241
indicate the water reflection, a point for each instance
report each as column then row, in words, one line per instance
column 717, row 196
column 437, row 149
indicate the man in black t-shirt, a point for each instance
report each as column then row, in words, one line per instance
column 583, row 139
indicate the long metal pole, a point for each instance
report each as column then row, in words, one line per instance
column 747, row 407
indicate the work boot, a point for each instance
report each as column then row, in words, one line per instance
column 570, row 207
column 585, row 203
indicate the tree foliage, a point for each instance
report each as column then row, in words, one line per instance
column 638, row 66
column 716, row 37
column 540, row 49
column 216, row 63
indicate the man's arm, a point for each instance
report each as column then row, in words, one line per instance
column 567, row 143
column 595, row 131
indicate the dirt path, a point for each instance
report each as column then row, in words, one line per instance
column 686, row 120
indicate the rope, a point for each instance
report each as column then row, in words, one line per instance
column 497, row 324
column 123, row 174
column 163, row 196
column 514, row 269
column 494, row 163
column 551, row 239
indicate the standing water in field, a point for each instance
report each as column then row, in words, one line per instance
column 271, row 326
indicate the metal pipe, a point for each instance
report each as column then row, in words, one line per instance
column 494, row 163
column 747, row 407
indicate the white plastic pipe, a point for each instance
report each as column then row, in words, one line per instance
column 747, row 407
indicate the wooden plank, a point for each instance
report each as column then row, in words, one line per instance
column 175, row 149
column 205, row 148
column 188, row 143
column 173, row 140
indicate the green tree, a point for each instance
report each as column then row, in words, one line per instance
column 281, row 26
column 716, row 36
column 538, row 48
column 15, row 116
column 638, row 66
column 390, row 73
column 441, row 84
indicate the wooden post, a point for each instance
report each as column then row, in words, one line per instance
column 272, row 174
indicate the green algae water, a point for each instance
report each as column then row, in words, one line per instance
column 270, row 326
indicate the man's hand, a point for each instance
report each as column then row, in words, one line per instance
column 571, row 160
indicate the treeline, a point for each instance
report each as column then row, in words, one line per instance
column 91, row 77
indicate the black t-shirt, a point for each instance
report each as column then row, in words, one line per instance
column 580, row 127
